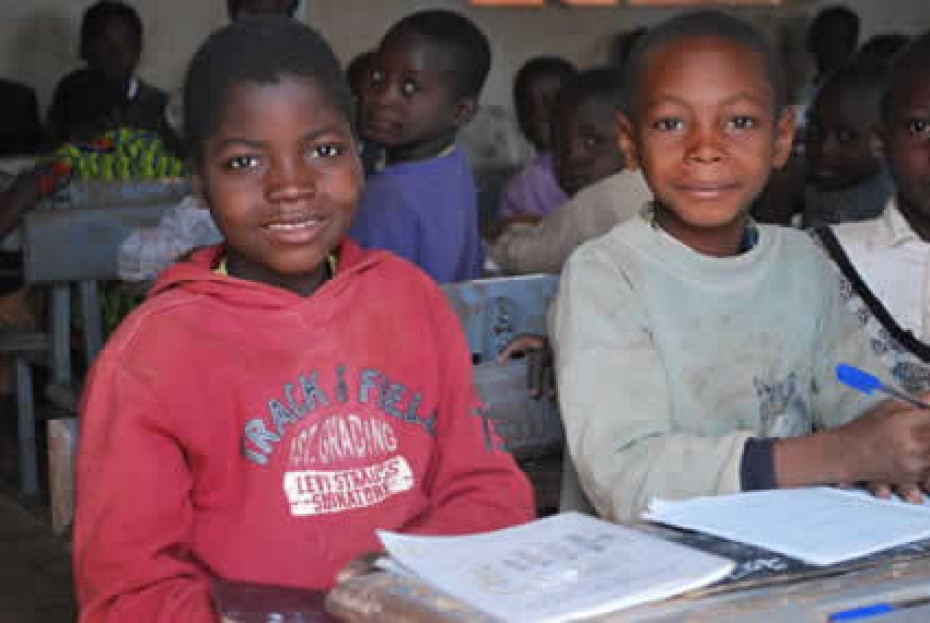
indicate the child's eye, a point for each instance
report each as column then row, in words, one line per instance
column 409, row 87
column 241, row 162
column 326, row 150
column 916, row 127
column 742, row 122
column 668, row 124
column 376, row 77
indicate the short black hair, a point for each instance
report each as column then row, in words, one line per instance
column 913, row 60
column 260, row 51
column 864, row 79
column 839, row 21
column 701, row 24
column 449, row 30
column 536, row 68
column 622, row 44
column 234, row 6
column 358, row 68
column 884, row 47
column 603, row 85
column 95, row 19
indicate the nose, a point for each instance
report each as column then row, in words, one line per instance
column 290, row 179
column 575, row 153
column 704, row 146
column 382, row 93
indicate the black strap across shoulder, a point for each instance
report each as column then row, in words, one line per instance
column 902, row 336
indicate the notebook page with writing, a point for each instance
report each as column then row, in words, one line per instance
column 560, row 568
column 819, row 525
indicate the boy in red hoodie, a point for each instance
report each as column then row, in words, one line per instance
column 280, row 397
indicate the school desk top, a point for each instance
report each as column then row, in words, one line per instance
column 387, row 598
column 763, row 589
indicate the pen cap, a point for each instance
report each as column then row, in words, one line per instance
column 857, row 379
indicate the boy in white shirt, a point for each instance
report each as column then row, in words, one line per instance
column 887, row 259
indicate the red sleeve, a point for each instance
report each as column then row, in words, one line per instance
column 133, row 516
column 475, row 485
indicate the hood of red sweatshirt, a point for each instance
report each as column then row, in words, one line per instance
column 197, row 275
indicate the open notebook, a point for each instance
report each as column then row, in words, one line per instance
column 560, row 568
column 819, row 525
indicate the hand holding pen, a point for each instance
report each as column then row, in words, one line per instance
column 867, row 383
column 898, row 438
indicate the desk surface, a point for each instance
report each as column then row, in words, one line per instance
column 386, row 598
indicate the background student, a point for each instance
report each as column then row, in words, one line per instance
column 534, row 192
column 424, row 86
column 887, row 259
column 21, row 131
column 591, row 165
column 107, row 93
column 694, row 350
column 281, row 396
column 846, row 179
column 832, row 38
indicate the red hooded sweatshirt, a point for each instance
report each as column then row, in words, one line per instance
column 235, row 429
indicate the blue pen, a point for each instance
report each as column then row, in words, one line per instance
column 867, row 383
column 864, row 612
column 876, row 609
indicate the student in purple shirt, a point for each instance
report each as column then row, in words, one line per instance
column 424, row 85
column 534, row 191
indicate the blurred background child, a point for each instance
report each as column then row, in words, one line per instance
column 107, row 93
column 592, row 167
column 584, row 129
column 534, row 192
column 424, row 87
column 832, row 38
column 846, row 180
column 887, row 259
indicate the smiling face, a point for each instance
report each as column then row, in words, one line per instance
column 585, row 145
column 840, row 145
column 705, row 132
column 907, row 145
column 409, row 105
column 282, row 178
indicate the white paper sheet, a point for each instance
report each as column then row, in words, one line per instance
column 819, row 525
column 559, row 568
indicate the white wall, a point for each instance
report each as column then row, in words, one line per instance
column 38, row 38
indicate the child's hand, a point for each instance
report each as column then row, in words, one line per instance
column 908, row 492
column 890, row 445
column 540, row 374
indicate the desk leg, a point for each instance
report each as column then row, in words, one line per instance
column 90, row 312
column 61, row 334
column 26, row 428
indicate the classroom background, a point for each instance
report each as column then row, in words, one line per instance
column 38, row 38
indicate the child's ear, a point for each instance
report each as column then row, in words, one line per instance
column 626, row 140
column 784, row 137
column 465, row 110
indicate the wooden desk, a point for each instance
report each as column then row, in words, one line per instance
column 388, row 598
